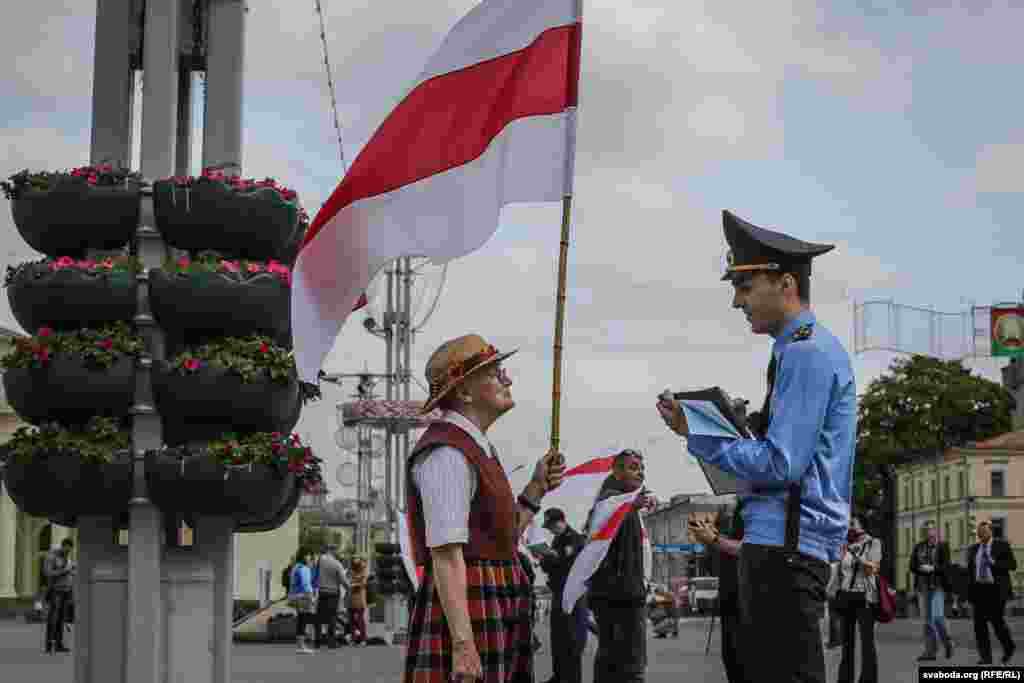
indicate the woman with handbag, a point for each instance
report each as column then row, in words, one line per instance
column 856, row 594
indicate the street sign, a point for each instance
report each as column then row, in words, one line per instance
column 677, row 547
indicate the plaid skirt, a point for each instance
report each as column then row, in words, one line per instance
column 499, row 609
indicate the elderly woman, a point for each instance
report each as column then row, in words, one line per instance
column 470, row 618
column 856, row 595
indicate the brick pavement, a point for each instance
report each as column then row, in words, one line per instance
column 670, row 660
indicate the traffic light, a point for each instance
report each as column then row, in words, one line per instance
column 390, row 571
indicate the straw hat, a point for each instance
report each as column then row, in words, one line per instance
column 454, row 361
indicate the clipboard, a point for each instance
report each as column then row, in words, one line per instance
column 721, row 482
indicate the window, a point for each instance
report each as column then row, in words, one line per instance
column 999, row 527
column 908, row 540
column 962, row 532
column 907, row 503
column 962, row 482
column 947, row 536
column 945, row 487
column 998, row 484
column 920, row 493
column 933, row 489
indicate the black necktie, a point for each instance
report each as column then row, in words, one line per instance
column 766, row 409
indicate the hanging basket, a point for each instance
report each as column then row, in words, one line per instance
column 73, row 216
column 68, row 392
column 197, row 305
column 194, row 485
column 208, row 214
column 201, row 406
column 60, row 487
column 70, row 298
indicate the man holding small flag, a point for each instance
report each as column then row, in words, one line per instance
column 612, row 570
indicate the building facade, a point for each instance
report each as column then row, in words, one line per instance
column 666, row 525
column 955, row 492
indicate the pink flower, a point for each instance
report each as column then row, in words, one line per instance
column 86, row 264
column 308, row 456
column 264, row 348
column 107, row 264
column 44, row 332
column 295, row 467
column 230, row 266
column 65, row 262
column 183, row 263
column 106, row 344
column 191, row 364
column 275, row 435
column 43, row 354
column 254, row 268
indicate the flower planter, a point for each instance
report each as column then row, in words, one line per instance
column 210, row 215
column 196, row 485
column 61, row 487
column 201, row 406
column 74, row 216
column 68, row 392
column 276, row 520
column 69, row 298
column 198, row 305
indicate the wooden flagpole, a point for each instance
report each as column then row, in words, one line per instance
column 556, row 387
column 573, row 66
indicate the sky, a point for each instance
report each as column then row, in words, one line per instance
column 891, row 129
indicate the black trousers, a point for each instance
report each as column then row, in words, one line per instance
column 732, row 657
column 57, row 616
column 855, row 613
column 782, row 598
column 327, row 615
column 567, row 642
column 622, row 642
column 988, row 609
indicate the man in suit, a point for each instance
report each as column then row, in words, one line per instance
column 989, row 563
column 568, row 631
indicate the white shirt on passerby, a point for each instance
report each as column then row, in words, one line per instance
column 447, row 484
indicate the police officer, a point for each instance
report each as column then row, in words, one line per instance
column 568, row 631
column 798, row 471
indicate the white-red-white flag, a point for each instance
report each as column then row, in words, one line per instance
column 605, row 522
column 580, row 486
column 489, row 122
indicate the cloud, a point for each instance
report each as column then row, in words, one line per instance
column 998, row 168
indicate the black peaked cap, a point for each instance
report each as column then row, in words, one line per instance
column 753, row 249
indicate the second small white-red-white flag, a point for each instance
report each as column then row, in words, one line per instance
column 605, row 521
column 489, row 122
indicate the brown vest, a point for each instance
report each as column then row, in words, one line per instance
column 492, row 513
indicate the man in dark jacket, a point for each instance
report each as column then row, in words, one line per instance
column 989, row 563
column 59, row 572
column 568, row 631
column 617, row 591
column 929, row 563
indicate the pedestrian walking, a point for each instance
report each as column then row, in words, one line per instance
column 59, row 572
column 333, row 585
column 301, row 599
column 989, row 563
column 856, row 596
column 470, row 618
column 357, row 600
column 929, row 563
column 617, row 590
column 568, row 631
column 797, row 474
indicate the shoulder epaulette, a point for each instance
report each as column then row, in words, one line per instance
column 802, row 332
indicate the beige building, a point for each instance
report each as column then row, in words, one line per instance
column 25, row 540
column 964, row 486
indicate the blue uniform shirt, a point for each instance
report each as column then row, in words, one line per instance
column 811, row 440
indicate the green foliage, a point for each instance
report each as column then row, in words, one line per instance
column 99, row 348
column 251, row 358
column 119, row 265
column 926, row 404
column 239, row 269
column 268, row 448
column 95, row 443
column 100, row 175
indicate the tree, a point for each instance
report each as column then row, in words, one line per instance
column 923, row 405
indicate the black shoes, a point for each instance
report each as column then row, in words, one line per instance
column 927, row 658
column 1008, row 655
column 949, row 650
column 61, row 648
column 49, row 647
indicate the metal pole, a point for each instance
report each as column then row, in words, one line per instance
column 225, row 57
column 113, row 86
column 183, row 158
